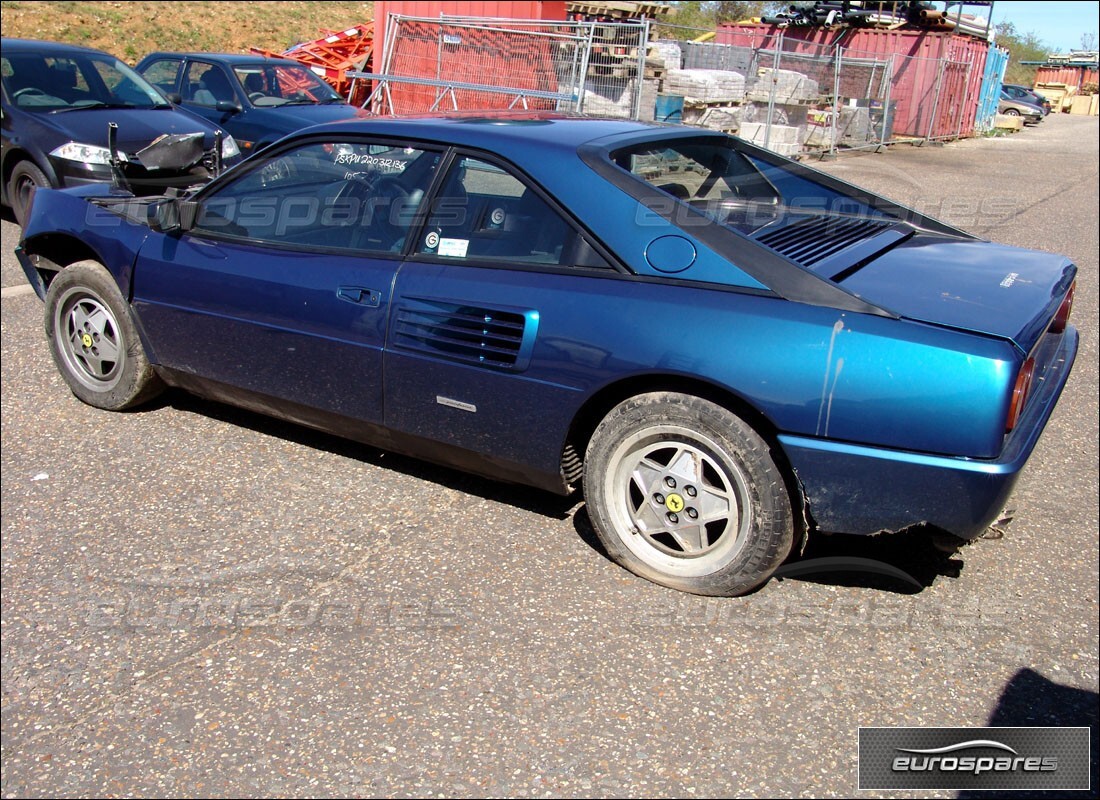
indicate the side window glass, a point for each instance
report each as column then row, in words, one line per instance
column 162, row 74
column 485, row 212
column 206, row 85
column 352, row 196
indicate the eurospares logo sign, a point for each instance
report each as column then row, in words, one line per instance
column 974, row 758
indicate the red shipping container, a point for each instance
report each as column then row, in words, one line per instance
column 1071, row 76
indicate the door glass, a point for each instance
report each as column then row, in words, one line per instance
column 485, row 212
column 338, row 195
column 207, row 85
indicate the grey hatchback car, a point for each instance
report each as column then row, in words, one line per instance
column 58, row 103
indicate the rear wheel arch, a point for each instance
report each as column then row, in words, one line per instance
column 599, row 405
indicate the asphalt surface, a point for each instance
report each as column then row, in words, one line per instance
column 199, row 601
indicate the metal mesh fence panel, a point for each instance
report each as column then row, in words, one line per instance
column 789, row 94
column 454, row 63
column 614, row 84
column 794, row 100
column 441, row 58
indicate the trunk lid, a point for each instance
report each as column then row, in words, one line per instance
column 972, row 285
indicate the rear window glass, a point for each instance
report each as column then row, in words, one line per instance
column 735, row 189
column 711, row 180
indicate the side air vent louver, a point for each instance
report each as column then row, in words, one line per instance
column 812, row 240
column 486, row 336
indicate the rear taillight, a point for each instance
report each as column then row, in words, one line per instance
column 1061, row 319
column 1019, row 394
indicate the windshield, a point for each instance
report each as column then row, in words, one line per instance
column 282, row 85
column 74, row 81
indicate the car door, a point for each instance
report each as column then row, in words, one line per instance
column 282, row 287
column 480, row 353
column 208, row 90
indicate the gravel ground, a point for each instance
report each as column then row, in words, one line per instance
column 202, row 602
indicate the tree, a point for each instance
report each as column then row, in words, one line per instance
column 1021, row 47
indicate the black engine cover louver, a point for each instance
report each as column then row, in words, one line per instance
column 813, row 240
column 491, row 337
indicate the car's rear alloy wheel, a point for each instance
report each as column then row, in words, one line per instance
column 685, row 493
column 93, row 340
column 1011, row 112
column 25, row 178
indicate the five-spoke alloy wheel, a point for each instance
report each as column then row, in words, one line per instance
column 93, row 340
column 685, row 493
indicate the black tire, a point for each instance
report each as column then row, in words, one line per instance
column 93, row 340
column 25, row 177
column 1011, row 112
column 685, row 493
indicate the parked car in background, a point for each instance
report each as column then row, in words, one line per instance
column 256, row 99
column 729, row 350
column 58, row 101
column 1026, row 95
column 1029, row 113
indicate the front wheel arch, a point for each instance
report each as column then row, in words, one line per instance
column 55, row 251
column 15, row 157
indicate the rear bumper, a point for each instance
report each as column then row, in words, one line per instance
column 865, row 490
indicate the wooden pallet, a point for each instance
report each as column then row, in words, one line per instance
column 617, row 10
column 765, row 97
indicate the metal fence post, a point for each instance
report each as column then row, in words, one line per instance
column 439, row 51
column 837, row 66
column 887, row 113
column 774, row 89
column 573, row 78
column 639, row 77
column 591, row 29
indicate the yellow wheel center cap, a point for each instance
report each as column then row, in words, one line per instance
column 674, row 503
column 86, row 340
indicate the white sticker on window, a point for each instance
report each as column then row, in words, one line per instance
column 454, row 247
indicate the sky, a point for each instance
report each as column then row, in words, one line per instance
column 1058, row 24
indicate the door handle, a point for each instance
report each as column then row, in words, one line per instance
column 359, row 295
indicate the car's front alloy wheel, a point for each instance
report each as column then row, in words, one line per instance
column 93, row 340
column 685, row 493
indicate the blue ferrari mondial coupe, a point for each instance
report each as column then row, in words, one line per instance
column 728, row 350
